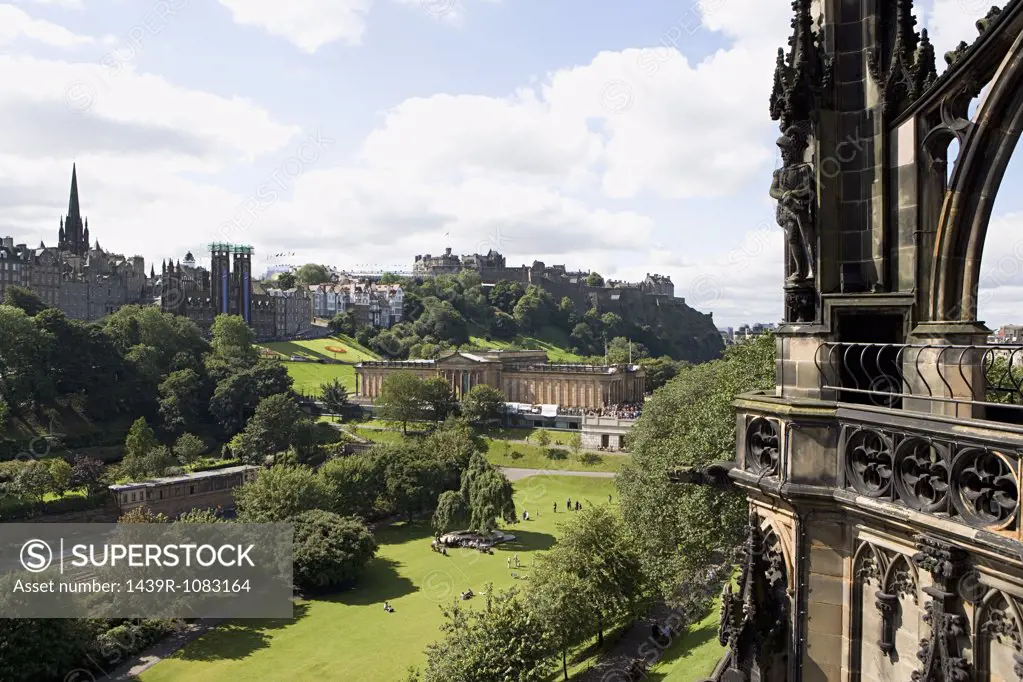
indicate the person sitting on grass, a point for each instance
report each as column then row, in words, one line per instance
column 388, row 607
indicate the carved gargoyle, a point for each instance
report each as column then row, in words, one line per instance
column 715, row 475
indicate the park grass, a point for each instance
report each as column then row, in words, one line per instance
column 349, row 636
column 555, row 353
column 309, row 375
column 693, row 656
column 499, row 451
column 317, row 349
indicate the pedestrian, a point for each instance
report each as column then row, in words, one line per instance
column 609, row 499
column 509, row 563
column 568, row 504
column 555, row 507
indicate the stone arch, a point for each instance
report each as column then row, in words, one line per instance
column 998, row 647
column 984, row 156
column 869, row 565
column 774, row 540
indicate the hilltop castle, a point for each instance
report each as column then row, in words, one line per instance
column 492, row 267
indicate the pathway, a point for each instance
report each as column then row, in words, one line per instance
column 515, row 473
column 145, row 660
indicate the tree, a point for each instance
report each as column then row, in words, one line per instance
column 689, row 422
column 201, row 516
column 659, row 371
column 32, row 480
column 142, row 514
column 353, row 484
column 312, row 273
column 157, row 461
column 503, row 325
column 621, row 350
column 597, row 550
column 234, row 400
column 503, row 641
column 33, row 649
column 543, row 439
column 575, row 442
column 279, row 494
column 271, row 429
column 188, row 447
column 437, row 394
column 488, row 496
column 594, row 280
column 451, row 512
column 452, row 445
column 25, row 299
column 334, row 396
column 554, row 596
column 482, row 404
column 60, row 475
column 87, row 472
column 401, row 399
column 181, row 400
column 140, row 439
column 232, row 341
column 22, row 349
column 286, row 280
column 330, row 550
column 345, row 323
column 412, row 478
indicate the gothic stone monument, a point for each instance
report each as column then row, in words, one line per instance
column 883, row 472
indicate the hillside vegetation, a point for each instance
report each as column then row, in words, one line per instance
column 459, row 311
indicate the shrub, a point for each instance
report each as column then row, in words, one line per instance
column 591, row 458
column 330, row 550
column 557, row 453
column 515, row 454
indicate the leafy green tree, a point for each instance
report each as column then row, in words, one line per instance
column 413, row 479
column 234, row 400
column 334, row 396
column 619, row 351
column 140, row 440
column 451, row 512
column 188, row 448
column 271, row 429
column 232, row 341
column 534, row 309
column 554, row 596
column 34, row 649
column 353, row 484
column 597, row 550
column 452, row 445
column 25, row 299
column 201, row 516
column 488, row 496
column 503, row 325
column 503, row 641
column 22, row 349
column 330, row 550
column 542, row 438
column 142, row 514
column 312, row 273
column 582, row 336
column 401, row 399
column 158, row 461
column 575, row 443
column 33, row 480
column 286, row 280
column 182, row 400
column 594, row 280
column 660, row 371
column 437, row 393
column 505, row 294
column 345, row 323
column 482, row 404
column 60, row 475
column 279, row 494
column 689, row 422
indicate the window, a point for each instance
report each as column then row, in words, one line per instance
column 133, row 497
column 191, row 490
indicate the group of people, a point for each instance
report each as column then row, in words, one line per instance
column 437, row 546
column 617, row 411
column 468, row 594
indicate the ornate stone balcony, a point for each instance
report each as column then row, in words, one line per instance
column 919, row 434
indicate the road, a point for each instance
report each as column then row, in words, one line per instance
column 514, row 473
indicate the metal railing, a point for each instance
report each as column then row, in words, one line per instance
column 888, row 374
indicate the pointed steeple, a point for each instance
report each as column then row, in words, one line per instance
column 152, row 271
column 73, row 208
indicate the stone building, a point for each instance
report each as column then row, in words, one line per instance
column 77, row 276
column 523, row 377
column 378, row 305
column 883, row 470
column 174, row 495
column 227, row 288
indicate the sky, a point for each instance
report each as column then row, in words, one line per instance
column 622, row 137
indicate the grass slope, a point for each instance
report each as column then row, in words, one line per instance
column 309, row 375
column 350, row 636
column 551, row 340
column 316, row 349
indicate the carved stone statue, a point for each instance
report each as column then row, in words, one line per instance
column 792, row 187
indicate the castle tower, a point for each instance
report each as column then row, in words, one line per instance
column 243, row 281
column 220, row 276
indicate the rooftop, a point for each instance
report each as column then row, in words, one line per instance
column 197, row 476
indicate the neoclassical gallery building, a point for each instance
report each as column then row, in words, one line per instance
column 523, row 377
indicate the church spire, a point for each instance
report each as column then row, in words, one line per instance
column 73, row 208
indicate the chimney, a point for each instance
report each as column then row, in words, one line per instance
column 447, row 251
column 9, row 242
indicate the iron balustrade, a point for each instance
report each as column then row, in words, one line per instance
column 886, row 374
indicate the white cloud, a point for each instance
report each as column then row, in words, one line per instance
column 450, row 11
column 308, row 24
column 15, row 23
column 74, row 4
column 951, row 21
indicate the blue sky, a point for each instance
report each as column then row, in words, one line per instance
column 623, row 137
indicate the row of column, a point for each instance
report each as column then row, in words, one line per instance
column 565, row 392
column 462, row 381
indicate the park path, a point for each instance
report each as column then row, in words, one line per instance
column 515, row 473
column 141, row 662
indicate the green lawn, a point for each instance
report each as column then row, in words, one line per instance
column 499, row 451
column 309, row 375
column 350, row 636
column 693, row 656
column 554, row 352
column 318, row 348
